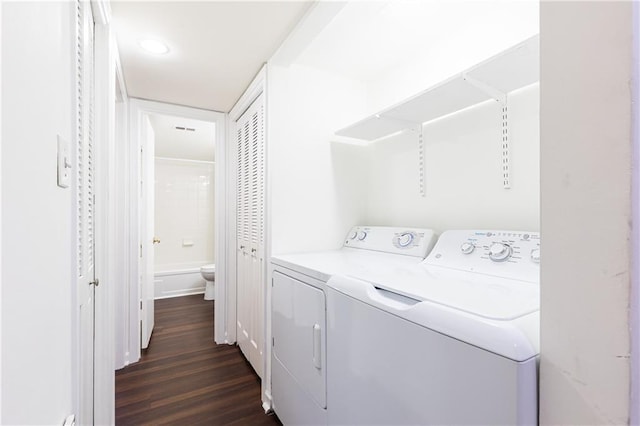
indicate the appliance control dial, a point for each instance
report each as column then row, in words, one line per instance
column 353, row 235
column 467, row 247
column 535, row 255
column 405, row 239
column 499, row 252
column 362, row 235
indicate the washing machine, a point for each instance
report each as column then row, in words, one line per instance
column 453, row 340
column 299, row 307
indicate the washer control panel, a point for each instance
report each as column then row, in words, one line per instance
column 507, row 254
column 408, row 241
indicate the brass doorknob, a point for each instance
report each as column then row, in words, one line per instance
column 156, row 240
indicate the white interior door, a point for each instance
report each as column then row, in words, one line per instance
column 84, row 191
column 250, row 139
column 147, row 155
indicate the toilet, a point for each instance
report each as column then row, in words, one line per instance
column 209, row 274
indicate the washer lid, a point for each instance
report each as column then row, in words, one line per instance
column 489, row 297
column 516, row 339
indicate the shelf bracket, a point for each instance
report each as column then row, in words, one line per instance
column 506, row 166
column 421, row 165
column 504, row 130
column 486, row 88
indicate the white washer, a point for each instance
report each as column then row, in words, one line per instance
column 299, row 366
column 453, row 340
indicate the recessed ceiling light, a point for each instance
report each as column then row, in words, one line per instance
column 154, row 46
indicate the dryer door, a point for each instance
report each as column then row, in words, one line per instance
column 298, row 330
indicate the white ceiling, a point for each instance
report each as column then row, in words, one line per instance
column 216, row 47
column 197, row 144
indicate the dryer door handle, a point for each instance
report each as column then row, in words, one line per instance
column 317, row 346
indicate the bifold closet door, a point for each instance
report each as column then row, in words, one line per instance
column 84, row 196
column 250, row 201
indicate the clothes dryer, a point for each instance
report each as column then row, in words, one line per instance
column 298, row 360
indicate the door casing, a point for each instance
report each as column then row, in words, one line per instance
column 138, row 109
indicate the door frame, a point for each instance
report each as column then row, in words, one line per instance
column 138, row 108
column 106, row 66
column 119, row 258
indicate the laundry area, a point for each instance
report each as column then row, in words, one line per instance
column 404, row 322
column 423, row 119
column 364, row 218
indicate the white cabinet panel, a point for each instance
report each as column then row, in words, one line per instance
column 299, row 333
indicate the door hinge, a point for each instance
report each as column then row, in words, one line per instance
column 273, row 342
column 141, row 305
column 95, row 282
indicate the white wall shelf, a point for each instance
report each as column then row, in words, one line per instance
column 507, row 71
column 494, row 78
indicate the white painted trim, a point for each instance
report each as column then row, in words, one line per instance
column 266, row 383
column 222, row 230
column 153, row 107
column 135, row 118
column 1, row 3
column 101, row 12
column 119, row 72
column 184, row 160
column 225, row 310
column 138, row 109
column 105, row 248
column 316, row 18
column 634, row 302
column 122, row 199
column 75, row 356
column 254, row 90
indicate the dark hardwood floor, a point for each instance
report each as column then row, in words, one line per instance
column 184, row 378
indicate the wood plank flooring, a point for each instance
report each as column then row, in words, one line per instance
column 185, row 378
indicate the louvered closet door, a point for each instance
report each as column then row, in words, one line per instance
column 84, row 194
column 250, row 202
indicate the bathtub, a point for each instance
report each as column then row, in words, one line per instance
column 178, row 280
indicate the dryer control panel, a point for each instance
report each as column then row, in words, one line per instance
column 506, row 254
column 415, row 242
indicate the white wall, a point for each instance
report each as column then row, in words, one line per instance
column 184, row 212
column 37, row 303
column 585, row 211
column 315, row 185
column 463, row 151
column 469, row 33
column 634, row 317
column 1, row 139
column 463, row 174
column 387, row 52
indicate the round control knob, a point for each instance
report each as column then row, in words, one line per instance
column 353, row 235
column 535, row 255
column 362, row 235
column 499, row 252
column 467, row 247
column 405, row 239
